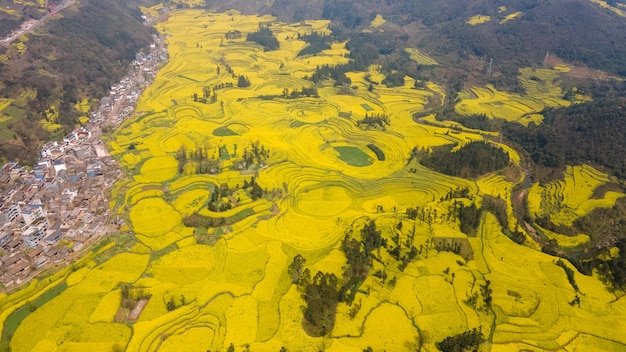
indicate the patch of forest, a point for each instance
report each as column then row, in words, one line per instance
column 590, row 133
column 317, row 42
column 20, row 11
column 79, row 54
column 584, row 133
column 470, row 161
column 366, row 49
column 264, row 37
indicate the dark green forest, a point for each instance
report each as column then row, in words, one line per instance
column 544, row 26
column 585, row 133
column 592, row 133
column 265, row 38
column 471, row 160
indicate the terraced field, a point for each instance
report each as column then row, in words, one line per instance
column 573, row 197
column 541, row 90
column 207, row 288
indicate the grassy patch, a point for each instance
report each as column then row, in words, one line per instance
column 13, row 321
column 354, row 156
column 224, row 131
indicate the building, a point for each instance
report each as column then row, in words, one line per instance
column 11, row 212
column 5, row 238
column 59, row 165
column 32, row 213
column 52, row 150
column 40, row 172
column 71, row 137
column 53, row 237
column 35, row 233
column 80, row 153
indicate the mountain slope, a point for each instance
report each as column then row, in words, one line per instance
column 75, row 55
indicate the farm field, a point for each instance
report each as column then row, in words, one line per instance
column 541, row 91
column 198, row 146
column 564, row 201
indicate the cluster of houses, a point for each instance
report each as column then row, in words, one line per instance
column 57, row 207
column 61, row 205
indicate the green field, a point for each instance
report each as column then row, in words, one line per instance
column 228, row 283
column 354, row 156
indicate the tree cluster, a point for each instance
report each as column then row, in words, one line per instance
column 303, row 92
column 582, row 133
column 265, row 38
column 200, row 157
column 594, row 132
column 171, row 304
column 321, row 296
column 373, row 120
column 465, row 341
column 359, row 255
column 256, row 155
column 317, row 42
column 132, row 295
column 216, row 201
column 243, row 81
column 613, row 270
column 469, row 218
column 234, row 34
column 323, row 292
column 255, row 191
column 336, row 73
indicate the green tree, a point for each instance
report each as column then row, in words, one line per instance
column 296, row 267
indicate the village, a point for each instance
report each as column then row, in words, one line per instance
column 60, row 206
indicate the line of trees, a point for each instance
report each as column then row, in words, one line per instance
column 203, row 162
column 323, row 292
column 373, row 120
column 309, row 92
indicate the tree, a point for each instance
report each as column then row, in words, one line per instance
column 170, row 305
column 296, row 267
column 243, row 81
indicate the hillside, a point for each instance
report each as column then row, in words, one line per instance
column 76, row 55
column 515, row 33
column 13, row 13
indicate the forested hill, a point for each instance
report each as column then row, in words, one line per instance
column 14, row 13
column 590, row 133
column 586, row 133
column 518, row 32
column 77, row 54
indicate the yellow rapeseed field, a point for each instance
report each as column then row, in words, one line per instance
column 325, row 176
column 478, row 19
